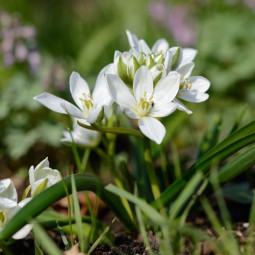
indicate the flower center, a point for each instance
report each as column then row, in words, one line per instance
column 185, row 84
column 87, row 103
column 145, row 105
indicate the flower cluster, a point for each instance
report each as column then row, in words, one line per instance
column 146, row 83
column 40, row 178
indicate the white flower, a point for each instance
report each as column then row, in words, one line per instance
column 160, row 46
column 89, row 105
column 192, row 88
column 42, row 177
column 146, row 103
column 81, row 136
column 9, row 207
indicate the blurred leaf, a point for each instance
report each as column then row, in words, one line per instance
column 239, row 192
column 210, row 138
column 18, row 142
column 96, row 44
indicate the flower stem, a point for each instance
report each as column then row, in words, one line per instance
column 150, row 169
column 117, row 179
column 113, row 130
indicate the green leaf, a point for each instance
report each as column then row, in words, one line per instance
column 45, row 242
column 211, row 137
column 240, row 163
column 223, row 150
column 56, row 192
column 153, row 214
column 238, row 192
column 77, row 213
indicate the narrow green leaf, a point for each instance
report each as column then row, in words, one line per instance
column 185, row 194
column 77, row 213
column 211, row 137
column 52, row 194
column 101, row 237
column 240, row 163
column 153, row 214
column 221, row 151
column 45, row 242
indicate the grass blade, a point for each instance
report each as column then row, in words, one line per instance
column 45, row 242
column 227, row 147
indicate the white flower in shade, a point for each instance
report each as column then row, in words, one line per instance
column 192, row 88
column 146, row 102
column 81, row 136
column 90, row 106
column 9, row 207
column 42, row 177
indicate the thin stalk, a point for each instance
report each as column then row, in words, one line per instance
column 117, row 179
column 85, row 159
column 150, row 169
column 113, row 130
column 69, row 210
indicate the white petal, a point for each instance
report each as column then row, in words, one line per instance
column 143, row 47
column 7, row 190
column 131, row 113
column 43, row 163
column 186, row 69
column 166, row 89
column 72, row 110
column 94, row 114
column 163, row 110
column 22, row 233
column 133, row 40
column 152, row 128
column 6, row 203
column 192, row 96
column 199, row 83
column 52, row 102
column 160, row 46
column 120, row 92
column 78, row 86
column 24, row 202
column 181, row 106
column 100, row 94
column 143, row 83
column 188, row 55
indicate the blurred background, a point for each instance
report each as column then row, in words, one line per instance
column 42, row 42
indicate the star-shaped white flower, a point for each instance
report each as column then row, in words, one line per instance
column 81, row 136
column 146, row 103
column 192, row 88
column 9, row 207
column 89, row 105
column 42, row 177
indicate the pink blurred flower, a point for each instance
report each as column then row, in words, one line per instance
column 177, row 19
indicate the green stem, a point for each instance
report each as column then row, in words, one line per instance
column 150, row 169
column 113, row 130
column 117, row 179
column 85, row 159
